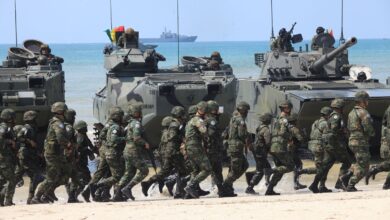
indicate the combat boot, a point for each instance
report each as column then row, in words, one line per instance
column 227, row 191
column 192, row 190
column 351, row 188
column 386, row 185
column 170, row 184
column 86, row 194
column 8, row 203
column 179, row 193
column 338, row 184
column 37, row 198
column 249, row 176
column 371, row 173
column 127, row 191
column 297, row 185
column 270, row 191
column 72, row 198
column 324, row 189
column 201, row 192
column 92, row 190
column 267, row 175
column 250, row 190
column 161, row 186
column 145, row 187
column 105, row 194
column 314, row 186
column 345, row 179
column 29, row 198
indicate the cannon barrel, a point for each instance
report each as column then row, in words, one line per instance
column 326, row 58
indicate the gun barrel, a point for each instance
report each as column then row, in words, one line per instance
column 326, row 58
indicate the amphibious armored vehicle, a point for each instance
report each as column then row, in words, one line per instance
column 31, row 81
column 133, row 76
column 311, row 79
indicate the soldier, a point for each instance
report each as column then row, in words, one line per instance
column 361, row 130
column 47, row 56
column 336, row 144
column 127, row 38
column 213, row 144
column 318, row 134
column 217, row 57
column 133, row 154
column 115, row 141
column 55, row 143
column 7, row 157
column 201, row 168
column 297, row 139
column 283, row 42
column 260, row 153
column 85, row 150
column 281, row 138
column 238, row 140
column 320, row 30
column 170, row 153
column 385, row 151
column 28, row 153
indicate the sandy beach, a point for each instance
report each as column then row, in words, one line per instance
column 370, row 203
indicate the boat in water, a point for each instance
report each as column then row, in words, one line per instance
column 168, row 36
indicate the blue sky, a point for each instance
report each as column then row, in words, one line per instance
column 71, row 21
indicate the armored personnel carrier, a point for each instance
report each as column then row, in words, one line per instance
column 30, row 80
column 133, row 76
column 311, row 79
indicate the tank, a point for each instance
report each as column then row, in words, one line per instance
column 133, row 76
column 30, row 81
column 311, row 79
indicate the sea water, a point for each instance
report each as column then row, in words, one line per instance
column 85, row 75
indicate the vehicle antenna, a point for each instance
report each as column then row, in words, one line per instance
column 178, row 33
column 272, row 22
column 111, row 13
column 342, row 40
column 16, row 26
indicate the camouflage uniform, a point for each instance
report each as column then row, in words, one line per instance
column 28, row 153
column 281, row 136
column 336, row 149
column 361, row 130
column 213, row 144
column 384, row 151
column 260, row 153
column 7, row 158
column 171, row 156
column 134, row 154
column 297, row 139
column 200, row 163
column 55, row 143
column 238, row 140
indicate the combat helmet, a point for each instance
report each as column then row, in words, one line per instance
column 265, row 118
column 59, row 108
column 320, row 30
column 285, row 104
column 116, row 113
column 70, row 114
column 213, row 106
column 30, row 116
column 80, row 125
column 178, row 112
column 134, row 109
column 192, row 110
column 8, row 115
column 202, row 106
column 129, row 31
column 216, row 56
column 282, row 32
column 337, row 103
column 326, row 111
column 292, row 118
column 361, row 96
column 243, row 106
column 45, row 47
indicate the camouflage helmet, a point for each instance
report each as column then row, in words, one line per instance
column 192, row 110
column 266, row 118
column 59, row 108
column 337, row 103
column 166, row 121
column 178, row 112
column 282, row 32
column 212, row 106
column 202, row 106
column 70, row 114
column 115, row 113
column 80, row 125
column 30, row 116
column 243, row 106
column 133, row 109
column 320, row 30
column 286, row 104
column 292, row 118
column 326, row 110
column 215, row 54
column 361, row 96
column 129, row 31
column 8, row 114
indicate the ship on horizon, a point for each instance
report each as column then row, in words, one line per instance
column 168, row 36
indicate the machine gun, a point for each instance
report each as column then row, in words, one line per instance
column 294, row 38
